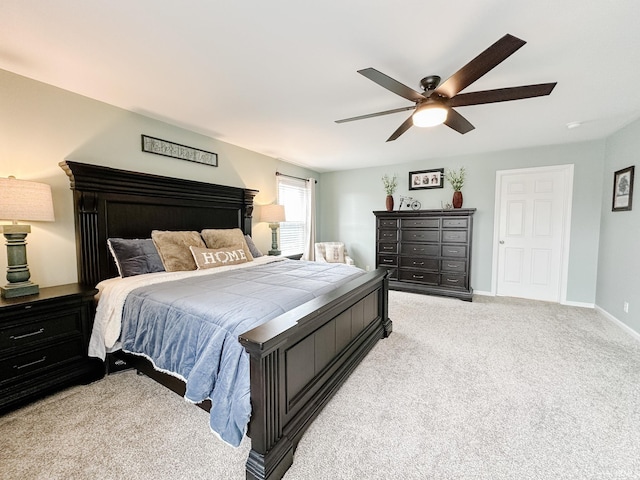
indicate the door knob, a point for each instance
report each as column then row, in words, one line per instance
column 501, row 242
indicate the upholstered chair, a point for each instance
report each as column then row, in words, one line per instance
column 333, row 252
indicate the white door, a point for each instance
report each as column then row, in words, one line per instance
column 533, row 210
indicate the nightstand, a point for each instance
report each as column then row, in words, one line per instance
column 43, row 343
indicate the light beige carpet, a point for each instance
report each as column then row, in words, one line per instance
column 494, row 389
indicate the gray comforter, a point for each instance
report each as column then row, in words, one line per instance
column 190, row 328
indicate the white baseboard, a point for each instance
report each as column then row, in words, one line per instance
column 481, row 292
column 578, row 304
column 619, row 323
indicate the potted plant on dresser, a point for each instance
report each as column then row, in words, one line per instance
column 456, row 180
column 390, row 185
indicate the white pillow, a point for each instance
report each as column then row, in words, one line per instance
column 334, row 253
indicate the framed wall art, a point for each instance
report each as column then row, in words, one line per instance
column 622, row 189
column 426, row 179
column 176, row 150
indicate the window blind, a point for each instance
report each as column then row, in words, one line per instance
column 292, row 193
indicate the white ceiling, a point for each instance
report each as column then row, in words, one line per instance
column 272, row 76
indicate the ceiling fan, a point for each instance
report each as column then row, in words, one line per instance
column 434, row 105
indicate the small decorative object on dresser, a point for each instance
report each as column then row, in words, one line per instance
column 427, row 251
column 390, row 185
column 43, row 343
column 456, row 179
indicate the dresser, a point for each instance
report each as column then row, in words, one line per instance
column 43, row 343
column 427, row 251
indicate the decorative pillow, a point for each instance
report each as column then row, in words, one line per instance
column 218, row 257
column 135, row 256
column 255, row 252
column 173, row 248
column 224, row 238
column 334, row 253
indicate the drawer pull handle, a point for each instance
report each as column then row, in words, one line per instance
column 418, row 249
column 450, row 280
column 19, row 337
column 452, row 266
column 452, row 251
column 19, row 367
column 418, row 276
column 387, row 260
column 387, row 248
column 418, row 263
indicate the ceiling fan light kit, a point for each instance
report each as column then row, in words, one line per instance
column 434, row 105
column 429, row 115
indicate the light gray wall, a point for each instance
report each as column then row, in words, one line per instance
column 41, row 125
column 349, row 197
column 619, row 258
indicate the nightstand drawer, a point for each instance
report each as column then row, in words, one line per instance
column 40, row 359
column 52, row 326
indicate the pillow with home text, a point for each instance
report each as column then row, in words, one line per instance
column 218, row 257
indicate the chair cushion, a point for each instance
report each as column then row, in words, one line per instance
column 334, row 253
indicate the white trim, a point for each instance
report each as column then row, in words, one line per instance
column 483, row 293
column 570, row 303
column 567, row 170
column 619, row 323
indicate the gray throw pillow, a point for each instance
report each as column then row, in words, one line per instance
column 135, row 256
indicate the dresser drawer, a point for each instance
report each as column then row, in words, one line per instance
column 387, row 235
column 453, row 280
column 455, row 222
column 454, row 236
column 388, row 223
column 387, row 248
column 420, row 235
column 421, row 263
column 41, row 329
column 454, row 251
column 40, row 359
column 420, row 223
column 418, row 277
column 453, row 266
column 420, row 249
column 388, row 260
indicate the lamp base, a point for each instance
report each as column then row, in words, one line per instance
column 274, row 239
column 19, row 289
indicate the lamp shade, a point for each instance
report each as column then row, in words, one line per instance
column 272, row 213
column 429, row 115
column 23, row 200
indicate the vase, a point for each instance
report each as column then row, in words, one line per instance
column 457, row 199
column 389, row 203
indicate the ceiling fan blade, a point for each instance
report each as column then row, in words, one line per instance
column 476, row 68
column 391, row 84
column 502, row 94
column 371, row 115
column 408, row 123
column 458, row 122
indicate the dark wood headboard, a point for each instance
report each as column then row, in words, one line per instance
column 118, row 203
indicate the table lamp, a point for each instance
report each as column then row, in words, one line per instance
column 21, row 200
column 273, row 214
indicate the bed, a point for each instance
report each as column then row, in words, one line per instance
column 297, row 360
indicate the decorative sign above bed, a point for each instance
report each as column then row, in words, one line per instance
column 175, row 150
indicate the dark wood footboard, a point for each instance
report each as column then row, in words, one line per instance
column 300, row 359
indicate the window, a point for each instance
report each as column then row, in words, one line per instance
column 292, row 193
